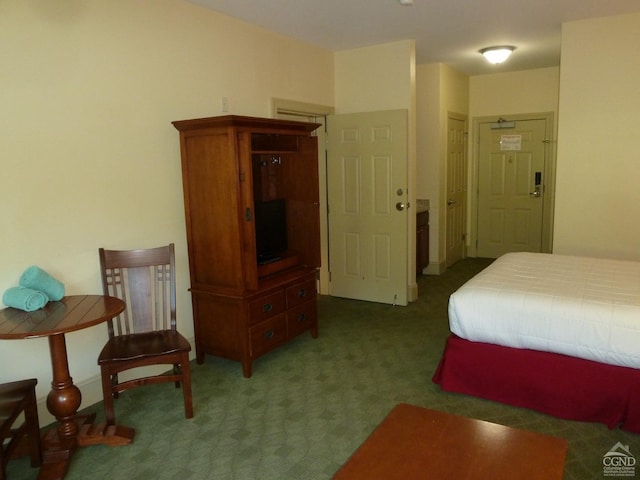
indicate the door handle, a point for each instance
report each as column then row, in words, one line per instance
column 536, row 193
column 451, row 202
column 400, row 206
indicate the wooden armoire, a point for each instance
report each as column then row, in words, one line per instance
column 243, row 308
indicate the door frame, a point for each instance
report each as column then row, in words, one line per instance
column 550, row 142
column 462, row 118
column 283, row 108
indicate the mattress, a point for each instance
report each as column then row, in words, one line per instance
column 582, row 307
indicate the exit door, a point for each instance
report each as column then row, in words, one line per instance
column 511, row 187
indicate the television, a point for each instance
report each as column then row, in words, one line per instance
column 271, row 230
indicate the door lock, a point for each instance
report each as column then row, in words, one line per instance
column 537, row 192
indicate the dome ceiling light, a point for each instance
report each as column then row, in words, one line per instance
column 497, row 54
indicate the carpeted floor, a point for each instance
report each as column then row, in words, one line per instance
column 311, row 403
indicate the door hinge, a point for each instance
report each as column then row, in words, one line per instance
column 241, row 177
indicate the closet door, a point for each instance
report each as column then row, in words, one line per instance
column 368, row 212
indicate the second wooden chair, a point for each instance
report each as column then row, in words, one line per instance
column 145, row 333
column 19, row 399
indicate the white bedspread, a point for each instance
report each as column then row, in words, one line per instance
column 578, row 306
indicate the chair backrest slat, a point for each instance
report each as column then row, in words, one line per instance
column 145, row 281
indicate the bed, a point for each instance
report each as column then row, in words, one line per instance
column 554, row 333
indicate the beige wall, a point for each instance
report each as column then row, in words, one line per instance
column 376, row 78
column 597, row 195
column 361, row 75
column 526, row 91
column 428, row 145
column 89, row 156
column 441, row 91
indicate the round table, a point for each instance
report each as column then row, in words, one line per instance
column 72, row 313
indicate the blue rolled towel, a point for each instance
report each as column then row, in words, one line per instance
column 25, row 299
column 37, row 279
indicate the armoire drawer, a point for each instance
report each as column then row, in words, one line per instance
column 301, row 292
column 268, row 335
column 266, row 307
column 301, row 318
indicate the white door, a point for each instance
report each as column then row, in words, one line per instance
column 368, row 216
column 511, row 165
column 456, row 188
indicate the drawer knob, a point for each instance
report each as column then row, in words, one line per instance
column 268, row 334
column 267, row 307
column 302, row 292
column 302, row 317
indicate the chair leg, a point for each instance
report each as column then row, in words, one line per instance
column 186, row 387
column 107, row 395
column 33, row 430
column 114, row 384
column 177, row 371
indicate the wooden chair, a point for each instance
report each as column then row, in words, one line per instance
column 145, row 333
column 17, row 399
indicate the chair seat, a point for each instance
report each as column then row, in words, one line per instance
column 17, row 389
column 141, row 345
column 11, row 395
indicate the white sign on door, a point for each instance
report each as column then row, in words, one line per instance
column 510, row 142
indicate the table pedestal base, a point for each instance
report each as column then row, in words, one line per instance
column 57, row 453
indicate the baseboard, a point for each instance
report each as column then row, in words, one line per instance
column 435, row 268
column 413, row 292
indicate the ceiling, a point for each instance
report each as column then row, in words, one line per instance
column 445, row 31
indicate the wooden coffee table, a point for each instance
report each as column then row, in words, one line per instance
column 414, row 442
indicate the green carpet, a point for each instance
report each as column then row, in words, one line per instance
column 311, row 403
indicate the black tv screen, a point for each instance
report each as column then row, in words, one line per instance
column 271, row 230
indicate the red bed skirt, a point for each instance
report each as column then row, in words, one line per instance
column 551, row 383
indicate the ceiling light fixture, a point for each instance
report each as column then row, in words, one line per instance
column 498, row 54
column 406, row 2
